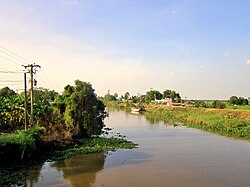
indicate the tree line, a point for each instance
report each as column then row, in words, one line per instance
column 150, row 96
column 175, row 97
column 232, row 101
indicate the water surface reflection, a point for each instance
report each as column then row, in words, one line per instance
column 69, row 172
column 167, row 156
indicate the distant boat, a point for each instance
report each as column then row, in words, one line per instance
column 135, row 109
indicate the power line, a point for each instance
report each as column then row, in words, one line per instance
column 10, row 81
column 13, row 72
column 11, row 84
column 10, row 60
column 43, row 81
column 7, row 71
column 16, row 55
column 47, row 79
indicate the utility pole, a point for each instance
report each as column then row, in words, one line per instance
column 32, row 71
column 25, row 102
column 31, row 95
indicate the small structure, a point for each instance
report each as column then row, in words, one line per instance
column 166, row 100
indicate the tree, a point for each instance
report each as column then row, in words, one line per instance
column 6, row 92
column 218, row 104
column 243, row 101
column 12, row 110
column 152, row 95
column 84, row 112
column 108, row 97
column 233, row 100
column 135, row 99
column 45, row 93
column 126, row 96
column 201, row 103
column 11, row 113
column 166, row 93
column 116, row 95
column 172, row 95
column 142, row 98
column 178, row 100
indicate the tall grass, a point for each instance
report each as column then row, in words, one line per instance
column 22, row 139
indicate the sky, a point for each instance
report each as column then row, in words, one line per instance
column 199, row 48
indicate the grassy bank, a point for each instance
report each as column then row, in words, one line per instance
column 22, row 146
column 19, row 146
column 240, row 107
column 12, row 173
column 227, row 122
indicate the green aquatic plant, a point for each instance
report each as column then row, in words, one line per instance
column 93, row 145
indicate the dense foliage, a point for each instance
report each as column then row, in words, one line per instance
column 152, row 95
column 6, row 92
column 11, row 112
column 232, row 103
column 82, row 111
column 218, row 104
column 201, row 103
column 12, row 108
column 234, row 100
column 212, row 104
column 77, row 111
column 108, row 97
column 172, row 95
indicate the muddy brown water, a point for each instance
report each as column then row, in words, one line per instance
column 167, row 156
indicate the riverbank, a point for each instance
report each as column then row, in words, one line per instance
column 226, row 122
column 25, row 150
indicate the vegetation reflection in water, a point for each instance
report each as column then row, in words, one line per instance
column 69, row 172
column 81, row 170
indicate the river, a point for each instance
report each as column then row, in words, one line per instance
column 167, row 156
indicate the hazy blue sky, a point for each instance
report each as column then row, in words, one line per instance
column 199, row 48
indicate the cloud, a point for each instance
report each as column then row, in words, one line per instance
column 248, row 61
